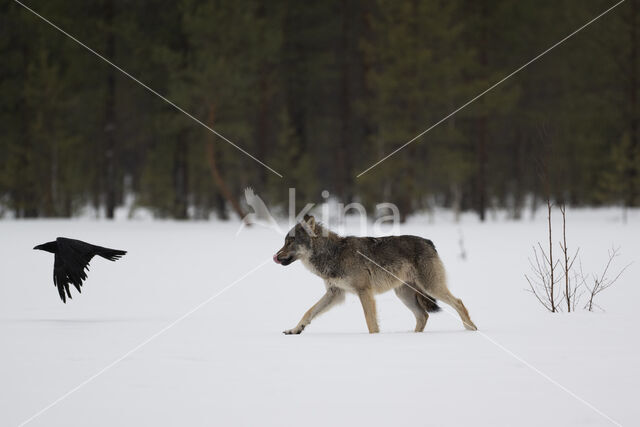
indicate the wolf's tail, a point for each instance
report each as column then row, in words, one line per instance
column 110, row 254
column 429, row 304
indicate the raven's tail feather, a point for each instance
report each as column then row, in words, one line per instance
column 429, row 304
column 110, row 254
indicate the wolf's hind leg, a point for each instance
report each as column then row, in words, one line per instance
column 433, row 281
column 369, row 306
column 446, row 296
column 332, row 297
column 410, row 298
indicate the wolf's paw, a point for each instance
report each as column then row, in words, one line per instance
column 470, row 327
column 295, row 331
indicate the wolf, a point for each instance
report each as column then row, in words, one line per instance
column 367, row 266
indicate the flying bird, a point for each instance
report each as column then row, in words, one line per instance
column 72, row 258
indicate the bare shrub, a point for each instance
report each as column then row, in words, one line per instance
column 602, row 281
column 548, row 274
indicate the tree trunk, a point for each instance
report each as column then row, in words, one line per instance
column 25, row 190
column 181, row 177
column 110, row 118
column 517, row 171
column 634, row 151
column 262, row 135
column 263, row 121
column 342, row 171
column 481, row 140
column 481, row 173
column 217, row 176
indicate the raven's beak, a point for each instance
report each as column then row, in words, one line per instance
column 38, row 247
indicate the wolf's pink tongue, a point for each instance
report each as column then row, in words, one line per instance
column 275, row 259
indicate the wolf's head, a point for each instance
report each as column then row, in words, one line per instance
column 297, row 242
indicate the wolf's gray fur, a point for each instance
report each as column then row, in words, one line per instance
column 367, row 266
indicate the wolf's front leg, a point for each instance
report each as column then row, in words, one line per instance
column 332, row 297
column 369, row 307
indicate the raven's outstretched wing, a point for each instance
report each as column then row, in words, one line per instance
column 71, row 261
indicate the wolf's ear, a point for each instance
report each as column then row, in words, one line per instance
column 310, row 221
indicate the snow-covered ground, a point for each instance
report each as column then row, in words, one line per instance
column 228, row 362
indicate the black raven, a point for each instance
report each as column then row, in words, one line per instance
column 72, row 259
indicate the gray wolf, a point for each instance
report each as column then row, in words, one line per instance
column 367, row 266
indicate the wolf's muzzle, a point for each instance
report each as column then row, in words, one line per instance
column 283, row 259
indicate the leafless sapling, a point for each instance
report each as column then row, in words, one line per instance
column 571, row 284
column 604, row 280
column 543, row 279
